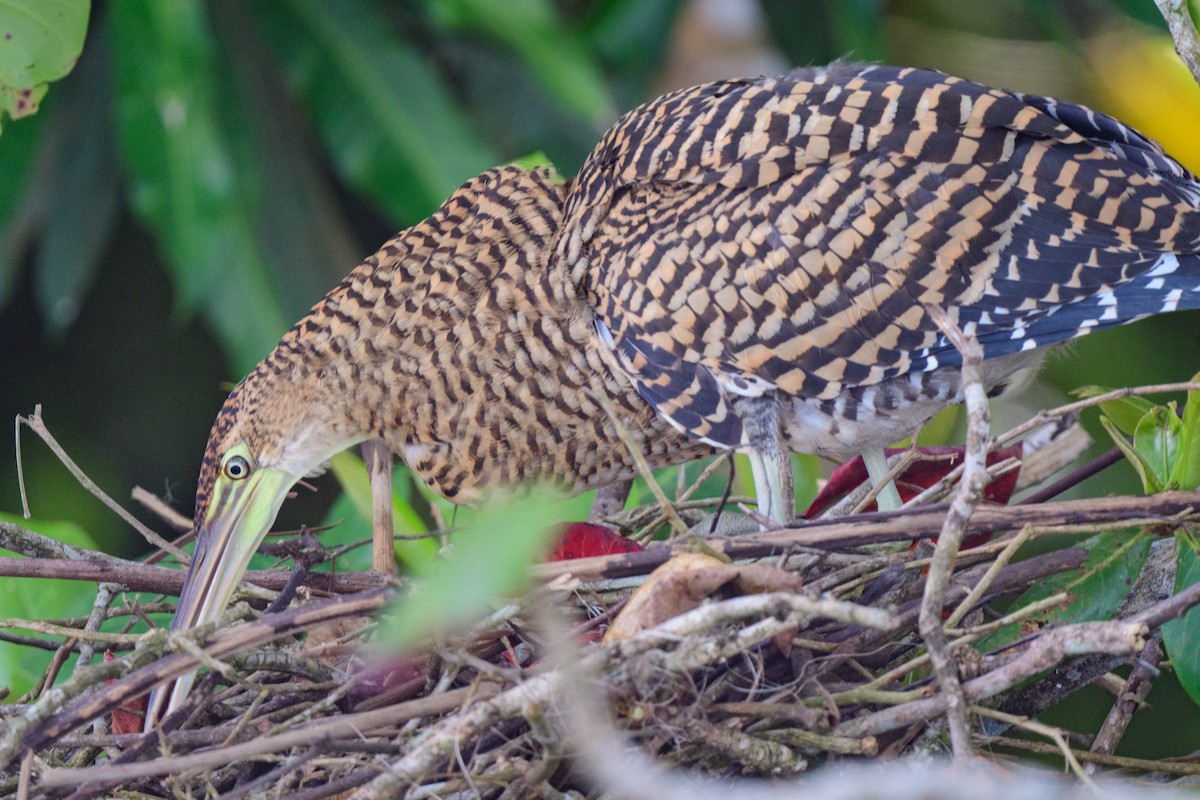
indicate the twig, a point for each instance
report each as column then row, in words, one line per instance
column 34, row 545
column 155, row 504
column 1183, row 31
column 1042, row 417
column 38, row 426
column 643, row 466
column 962, row 507
column 105, row 593
column 1048, row 649
column 1132, row 695
column 1053, row 734
column 164, row 580
column 1166, row 766
column 980, row 588
column 49, row 719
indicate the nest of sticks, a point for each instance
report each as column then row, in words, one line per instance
column 741, row 657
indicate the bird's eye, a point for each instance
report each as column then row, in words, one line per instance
column 237, row 468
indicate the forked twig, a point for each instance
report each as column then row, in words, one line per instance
column 36, row 424
column 962, row 507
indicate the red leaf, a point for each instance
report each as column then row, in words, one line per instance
column 583, row 540
column 933, row 464
column 126, row 718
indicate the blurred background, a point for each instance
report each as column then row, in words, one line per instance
column 210, row 170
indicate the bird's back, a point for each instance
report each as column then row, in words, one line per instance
column 790, row 233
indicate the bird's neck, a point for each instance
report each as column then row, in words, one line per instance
column 465, row 346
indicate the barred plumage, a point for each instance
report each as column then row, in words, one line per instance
column 745, row 264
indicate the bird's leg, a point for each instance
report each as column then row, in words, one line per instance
column 770, row 461
column 609, row 500
column 379, row 467
column 888, row 497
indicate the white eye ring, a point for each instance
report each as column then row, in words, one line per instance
column 237, row 467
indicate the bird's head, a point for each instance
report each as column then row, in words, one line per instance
column 275, row 428
column 269, row 434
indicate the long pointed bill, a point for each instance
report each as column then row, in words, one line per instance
column 236, row 524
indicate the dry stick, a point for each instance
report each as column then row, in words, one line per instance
column 1171, row 508
column 352, row 725
column 966, row 499
column 1042, row 417
column 164, row 580
column 38, row 426
column 979, row 589
column 45, row 721
column 774, row 613
column 1132, row 695
column 1053, row 734
column 1183, row 31
column 105, row 593
column 1049, row 648
column 36, row 546
column 681, row 498
column 155, row 504
column 643, row 465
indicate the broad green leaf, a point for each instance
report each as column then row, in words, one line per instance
column 1150, row 483
column 1126, row 412
column 387, row 118
column 1185, row 473
column 535, row 160
column 632, row 34
column 489, row 562
column 182, row 174
column 82, row 184
column 858, row 28
column 1181, row 637
column 40, row 41
column 1156, row 439
column 296, row 221
column 351, row 473
column 533, row 30
column 39, row 598
column 1097, row 588
column 22, row 197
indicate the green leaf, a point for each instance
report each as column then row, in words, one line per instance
column 1097, row 588
column 1181, row 637
column 490, row 562
column 1156, row 439
column 1185, row 473
column 40, row 41
column 1150, row 483
column 1126, row 412
column 22, row 197
column 39, row 598
column 351, row 473
column 388, row 119
column 182, row 173
column 632, row 34
column 858, row 28
column 533, row 30
column 82, row 184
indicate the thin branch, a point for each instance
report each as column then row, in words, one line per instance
column 643, row 466
column 1130, row 700
column 36, row 424
column 1183, row 31
column 962, row 507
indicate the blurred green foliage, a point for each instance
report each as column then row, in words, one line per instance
column 210, row 169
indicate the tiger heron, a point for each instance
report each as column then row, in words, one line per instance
column 743, row 265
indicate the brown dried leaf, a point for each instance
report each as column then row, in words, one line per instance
column 684, row 582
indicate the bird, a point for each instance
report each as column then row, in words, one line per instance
column 745, row 265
